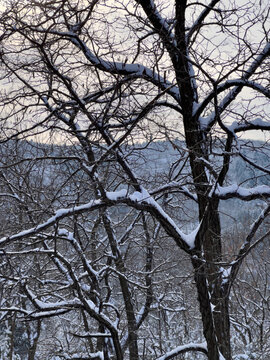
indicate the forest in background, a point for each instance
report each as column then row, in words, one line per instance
column 134, row 205
column 174, row 312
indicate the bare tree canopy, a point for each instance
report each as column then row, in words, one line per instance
column 134, row 179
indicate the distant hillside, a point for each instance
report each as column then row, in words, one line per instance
column 157, row 164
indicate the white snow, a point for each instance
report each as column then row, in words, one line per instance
column 59, row 214
column 225, row 274
column 163, row 22
column 204, row 121
column 121, row 67
column 144, row 196
column 115, row 195
column 256, row 122
column 77, row 356
column 42, row 305
column 235, row 190
column 183, row 348
column 69, row 236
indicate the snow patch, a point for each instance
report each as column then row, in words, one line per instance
column 115, row 195
column 183, row 348
column 144, row 196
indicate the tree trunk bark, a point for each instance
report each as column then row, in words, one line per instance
column 33, row 347
column 215, row 315
column 208, row 251
column 222, row 326
column 217, row 294
column 205, row 309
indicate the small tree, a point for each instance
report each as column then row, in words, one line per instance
column 110, row 78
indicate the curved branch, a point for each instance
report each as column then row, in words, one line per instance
column 227, row 85
column 161, row 26
column 183, row 349
column 254, row 164
column 241, row 83
column 247, row 246
column 138, row 200
column 199, row 22
column 131, row 70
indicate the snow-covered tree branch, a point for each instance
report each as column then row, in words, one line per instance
column 134, row 179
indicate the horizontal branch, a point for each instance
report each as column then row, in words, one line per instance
column 239, row 192
column 138, row 200
column 59, row 215
column 91, row 335
column 80, row 356
column 183, row 349
column 256, row 124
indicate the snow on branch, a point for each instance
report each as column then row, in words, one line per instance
column 236, row 191
column 69, row 236
column 42, row 305
column 256, row 124
column 133, row 71
column 60, row 214
column 121, row 68
column 140, row 200
column 160, row 24
column 240, row 83
column 14, row 196
column 184, row 348
column 187, row 241
column 225, row 86
column 80, row 356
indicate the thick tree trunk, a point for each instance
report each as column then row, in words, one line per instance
column 219, row 298
column 215, row 316
column 33, row 347
column 208, row 277
column 222, row 326
column 211, row 292
column 205, row 309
